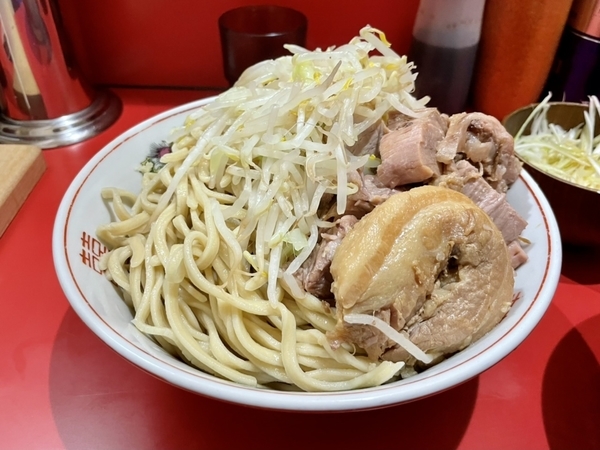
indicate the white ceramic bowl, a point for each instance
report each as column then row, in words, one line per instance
column 98, row 304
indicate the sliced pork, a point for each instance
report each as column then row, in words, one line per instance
column 518, row 257
column 468, row 180
column 429, row 243
column 370, row 193
column 484, row 142
column 429, row 263
column 368, row 141
column 408, row 150
column 314, row 275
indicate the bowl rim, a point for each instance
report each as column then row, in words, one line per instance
column 361, row 399
column 554, row 177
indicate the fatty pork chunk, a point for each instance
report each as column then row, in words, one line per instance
column 430, row 264
column 370, row 193
column 314, row 275
column 484, row 142
column 408, row 148
column 468, row 180
column 368, row 141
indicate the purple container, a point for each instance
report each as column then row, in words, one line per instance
column 575, row 74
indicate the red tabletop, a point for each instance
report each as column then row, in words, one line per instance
column 61, row 387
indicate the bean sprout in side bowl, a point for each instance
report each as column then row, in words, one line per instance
column 559, row 144
column 230, row 247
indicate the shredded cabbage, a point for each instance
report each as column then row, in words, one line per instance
column 276, row 142
column 572, row 155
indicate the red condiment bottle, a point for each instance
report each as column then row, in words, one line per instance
column 518, row 43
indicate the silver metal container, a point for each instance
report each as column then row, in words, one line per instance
column 43, row 98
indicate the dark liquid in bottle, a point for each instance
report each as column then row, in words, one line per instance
column 444, row 74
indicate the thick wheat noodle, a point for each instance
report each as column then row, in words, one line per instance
column 151, row 311
column 191, row 321
column 117, row 267
column 185, row 339
column 164, row 332
column 220, row 349
column 158, row 315
column 270, row 367
column 150, row 287
column 136, row 271
column 124, row 228
column 119, row 208
column 266, row 343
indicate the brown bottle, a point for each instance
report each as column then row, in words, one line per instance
column 444, row 48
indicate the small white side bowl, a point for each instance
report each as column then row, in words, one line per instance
column 575, row 206
column 98, row 304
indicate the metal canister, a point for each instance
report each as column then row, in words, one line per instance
column 44, row 100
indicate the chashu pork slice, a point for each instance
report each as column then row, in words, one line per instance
column 429, row 263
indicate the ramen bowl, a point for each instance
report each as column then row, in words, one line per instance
column 576, row 207
column 77, row 252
